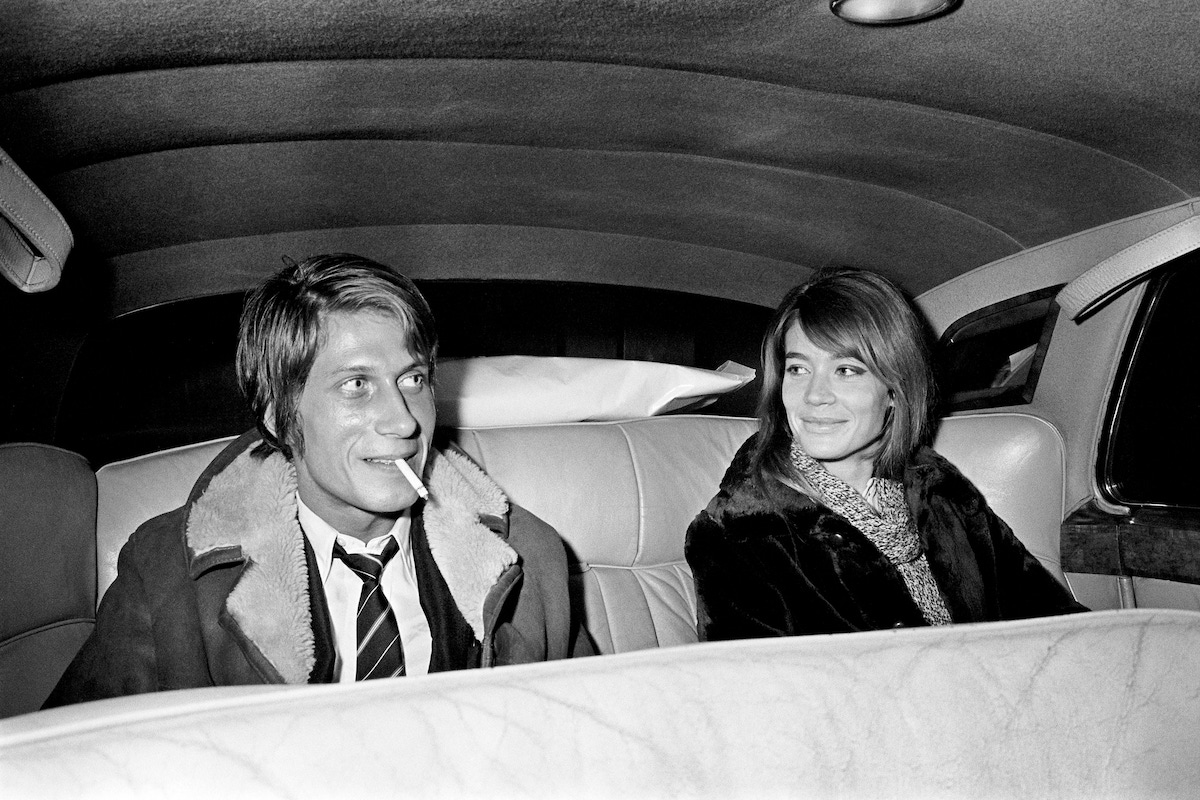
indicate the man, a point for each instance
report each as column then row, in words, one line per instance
column 306, row 552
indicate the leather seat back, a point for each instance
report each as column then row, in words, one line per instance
column 623, row 493
column 1018, row 461
column 48, row 572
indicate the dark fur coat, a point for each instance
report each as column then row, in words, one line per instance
column 770, row 561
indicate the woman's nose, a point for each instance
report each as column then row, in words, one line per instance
column 818, row 391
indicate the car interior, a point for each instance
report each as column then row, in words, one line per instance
column 603, row 204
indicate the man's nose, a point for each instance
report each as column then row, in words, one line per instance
column 395, row 418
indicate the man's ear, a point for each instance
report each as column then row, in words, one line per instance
column 269, row 419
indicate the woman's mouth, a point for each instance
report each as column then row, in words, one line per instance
column 820, row 425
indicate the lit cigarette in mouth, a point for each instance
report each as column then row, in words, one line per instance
column 412, row 478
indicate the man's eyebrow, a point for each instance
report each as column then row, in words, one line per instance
column 351, row 368
column 371, row 369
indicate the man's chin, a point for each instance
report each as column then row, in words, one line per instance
column 393, row 506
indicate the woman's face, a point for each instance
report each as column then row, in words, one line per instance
column 835, row 406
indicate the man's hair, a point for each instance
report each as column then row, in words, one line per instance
column 850, row 312
column 282, row 328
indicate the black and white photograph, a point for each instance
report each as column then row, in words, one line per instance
column 689, row 399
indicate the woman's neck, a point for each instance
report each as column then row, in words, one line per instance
column 857, row 473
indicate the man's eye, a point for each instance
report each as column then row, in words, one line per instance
column 354, row 386
column 413, row 380
column 795, row 369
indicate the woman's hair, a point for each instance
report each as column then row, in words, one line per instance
column 281, row 331
column 855, row 313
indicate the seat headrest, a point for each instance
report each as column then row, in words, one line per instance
column 48, row 530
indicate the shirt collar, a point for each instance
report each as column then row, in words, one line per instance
column 321, row 535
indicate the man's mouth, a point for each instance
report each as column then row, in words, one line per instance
column 387, row 462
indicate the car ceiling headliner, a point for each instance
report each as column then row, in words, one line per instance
column 714, row 146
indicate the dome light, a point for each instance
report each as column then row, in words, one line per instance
column 889, row 12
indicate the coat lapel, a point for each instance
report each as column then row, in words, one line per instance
column 251, row 506
column 247, row 514
column 324, row 645
column 470, row 555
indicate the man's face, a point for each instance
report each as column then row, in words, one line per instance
column 367, row 402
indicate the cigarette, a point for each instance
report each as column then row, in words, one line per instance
column 412, row 478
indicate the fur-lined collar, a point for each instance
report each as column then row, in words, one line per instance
column 928, row 474
column 245, row 509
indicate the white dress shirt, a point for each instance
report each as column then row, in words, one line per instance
column 343, row 587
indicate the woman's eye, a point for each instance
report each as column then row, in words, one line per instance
column 850, row 370
column 795, row 369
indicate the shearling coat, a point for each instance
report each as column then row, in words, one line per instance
column 770, row 561
column 225, row 590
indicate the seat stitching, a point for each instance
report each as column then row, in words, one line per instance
column 637, row 482
column 608, row 619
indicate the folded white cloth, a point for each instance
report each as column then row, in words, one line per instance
column 530, row 390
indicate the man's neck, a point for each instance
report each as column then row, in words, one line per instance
column 376, row 526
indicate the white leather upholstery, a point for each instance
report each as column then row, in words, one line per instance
column 1017, row 461
column 622, row 495
column 1088, row 705
column 131, row 492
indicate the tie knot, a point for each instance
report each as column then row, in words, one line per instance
column 368, row 567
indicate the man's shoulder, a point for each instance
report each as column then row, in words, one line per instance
column 161, row 532
column 526, row 527
column 154, row 553
column 456, row 480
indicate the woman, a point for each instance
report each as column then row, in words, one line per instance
column 835, row 516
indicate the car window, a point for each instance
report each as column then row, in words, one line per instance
column 164, row 376
column 993, row 356
column 1154, row 422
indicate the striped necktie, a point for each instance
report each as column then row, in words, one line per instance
column 380, row 653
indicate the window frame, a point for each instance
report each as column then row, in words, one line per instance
column 1152, row 299
column 998, row 397
column 1152, row 540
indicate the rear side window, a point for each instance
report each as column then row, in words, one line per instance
column 992, row 357
column 1153, row 437
column 164, row 376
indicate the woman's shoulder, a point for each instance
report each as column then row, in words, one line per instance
column 748, row 504
column 931, row 476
